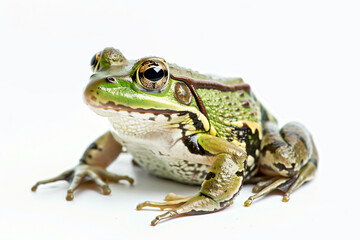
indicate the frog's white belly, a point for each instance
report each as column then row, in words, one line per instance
column 171, row 168
column 156, row 145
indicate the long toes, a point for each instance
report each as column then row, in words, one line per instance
column 140, row 206
column 63, row 176
column 160, row 205
column 84, row 172
column 112, row 177
column 257, row 189
column 166, row 215
column 129, row 179
column 174, row 197
column 97, row 179
column 76, row 181
column 197, row 203
column 263, row 184
column 104, row 186
column 126, row 178
column 116, row 178
column 267, row 188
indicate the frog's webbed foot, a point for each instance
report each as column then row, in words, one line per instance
column 179, row 205
column 265, row 187
column 84, row 172
column 284, row 184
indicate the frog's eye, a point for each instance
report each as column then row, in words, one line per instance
column 95, row 62
column 153, row 74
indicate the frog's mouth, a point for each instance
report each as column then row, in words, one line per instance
column 111, row 106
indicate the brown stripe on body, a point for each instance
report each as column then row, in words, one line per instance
column 212, row 84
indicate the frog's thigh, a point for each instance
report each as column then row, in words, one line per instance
column 289, row 156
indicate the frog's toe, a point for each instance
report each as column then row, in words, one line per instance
column 82, row 173
column 173, row 196
column 74, row 184
column 63, row 176
column 198, row 203
column 80, row 176
column 171, row 201
column 161, row 205
column 100, row 176
column 112, row 177
column 284, row 184
column 166, row 215
column 303, row 176
column 286, row 197
column 266, row 188
column 263, row 184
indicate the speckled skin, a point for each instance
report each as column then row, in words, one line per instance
column 191, row 128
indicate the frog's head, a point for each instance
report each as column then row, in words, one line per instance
column 143, row 86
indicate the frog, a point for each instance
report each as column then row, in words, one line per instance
column 192, row 128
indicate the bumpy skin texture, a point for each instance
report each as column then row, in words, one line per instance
column 190, row 128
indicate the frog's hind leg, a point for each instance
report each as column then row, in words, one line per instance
column 289, row 156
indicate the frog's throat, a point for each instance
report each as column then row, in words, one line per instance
column 194, row 84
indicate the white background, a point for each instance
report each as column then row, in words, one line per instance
column 301, row 58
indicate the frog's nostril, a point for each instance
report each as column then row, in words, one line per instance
column 111, row 79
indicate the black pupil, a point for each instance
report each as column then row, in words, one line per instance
column 154, row 74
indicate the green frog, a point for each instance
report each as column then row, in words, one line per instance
column 192, row 128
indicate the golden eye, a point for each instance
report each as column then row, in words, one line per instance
column 95, row 62
column 153, row 74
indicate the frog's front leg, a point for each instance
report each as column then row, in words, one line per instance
column 221, row 184
column 289, row 157
column 92, row 166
